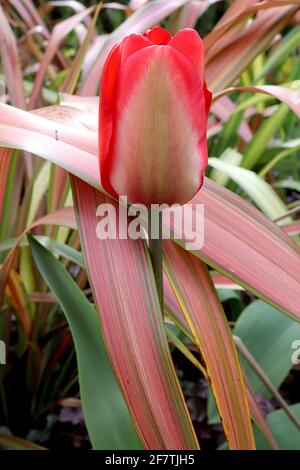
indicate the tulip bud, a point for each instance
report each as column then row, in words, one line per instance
column 153, row 118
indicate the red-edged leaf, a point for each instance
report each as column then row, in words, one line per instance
column 23, row 13
column 239, row 11
column 208, row 324
column 69, row 147
column 174, row 312
column 229, row 26
column 240, row 242
column 132, row 324
column 61, row 124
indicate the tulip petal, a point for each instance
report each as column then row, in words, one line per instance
column 189, row 43
column 158, row 35
column 208, row 98
column 108, row 85
column 159, row 129
column 132, row 44
column 117, row 57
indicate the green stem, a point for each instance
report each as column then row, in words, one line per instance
column 156, row 253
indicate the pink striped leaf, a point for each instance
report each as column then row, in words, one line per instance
column 207, row 321
column 292, row 229
column 62, row 217
column 245, row 246
column 31, row 11
column 289, row 96
column 258, row 417
column 222, row 282
column 239, row 11
column 176, row 315
column 229, row 26
column 72, row 147
column 10, row 61
column 132, row 324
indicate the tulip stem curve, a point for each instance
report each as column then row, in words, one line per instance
column 156, row 252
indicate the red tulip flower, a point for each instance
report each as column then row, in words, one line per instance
column 153, row 118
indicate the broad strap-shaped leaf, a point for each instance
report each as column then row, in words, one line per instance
column 58, row 123
column 262, row 193
column 131, row 320
column 240, row 10
column 174, row 312
column 229, row 26
column 244, row 245
column 224, row 64
column 289, row 96
column 206, row 319
column 107, row 418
